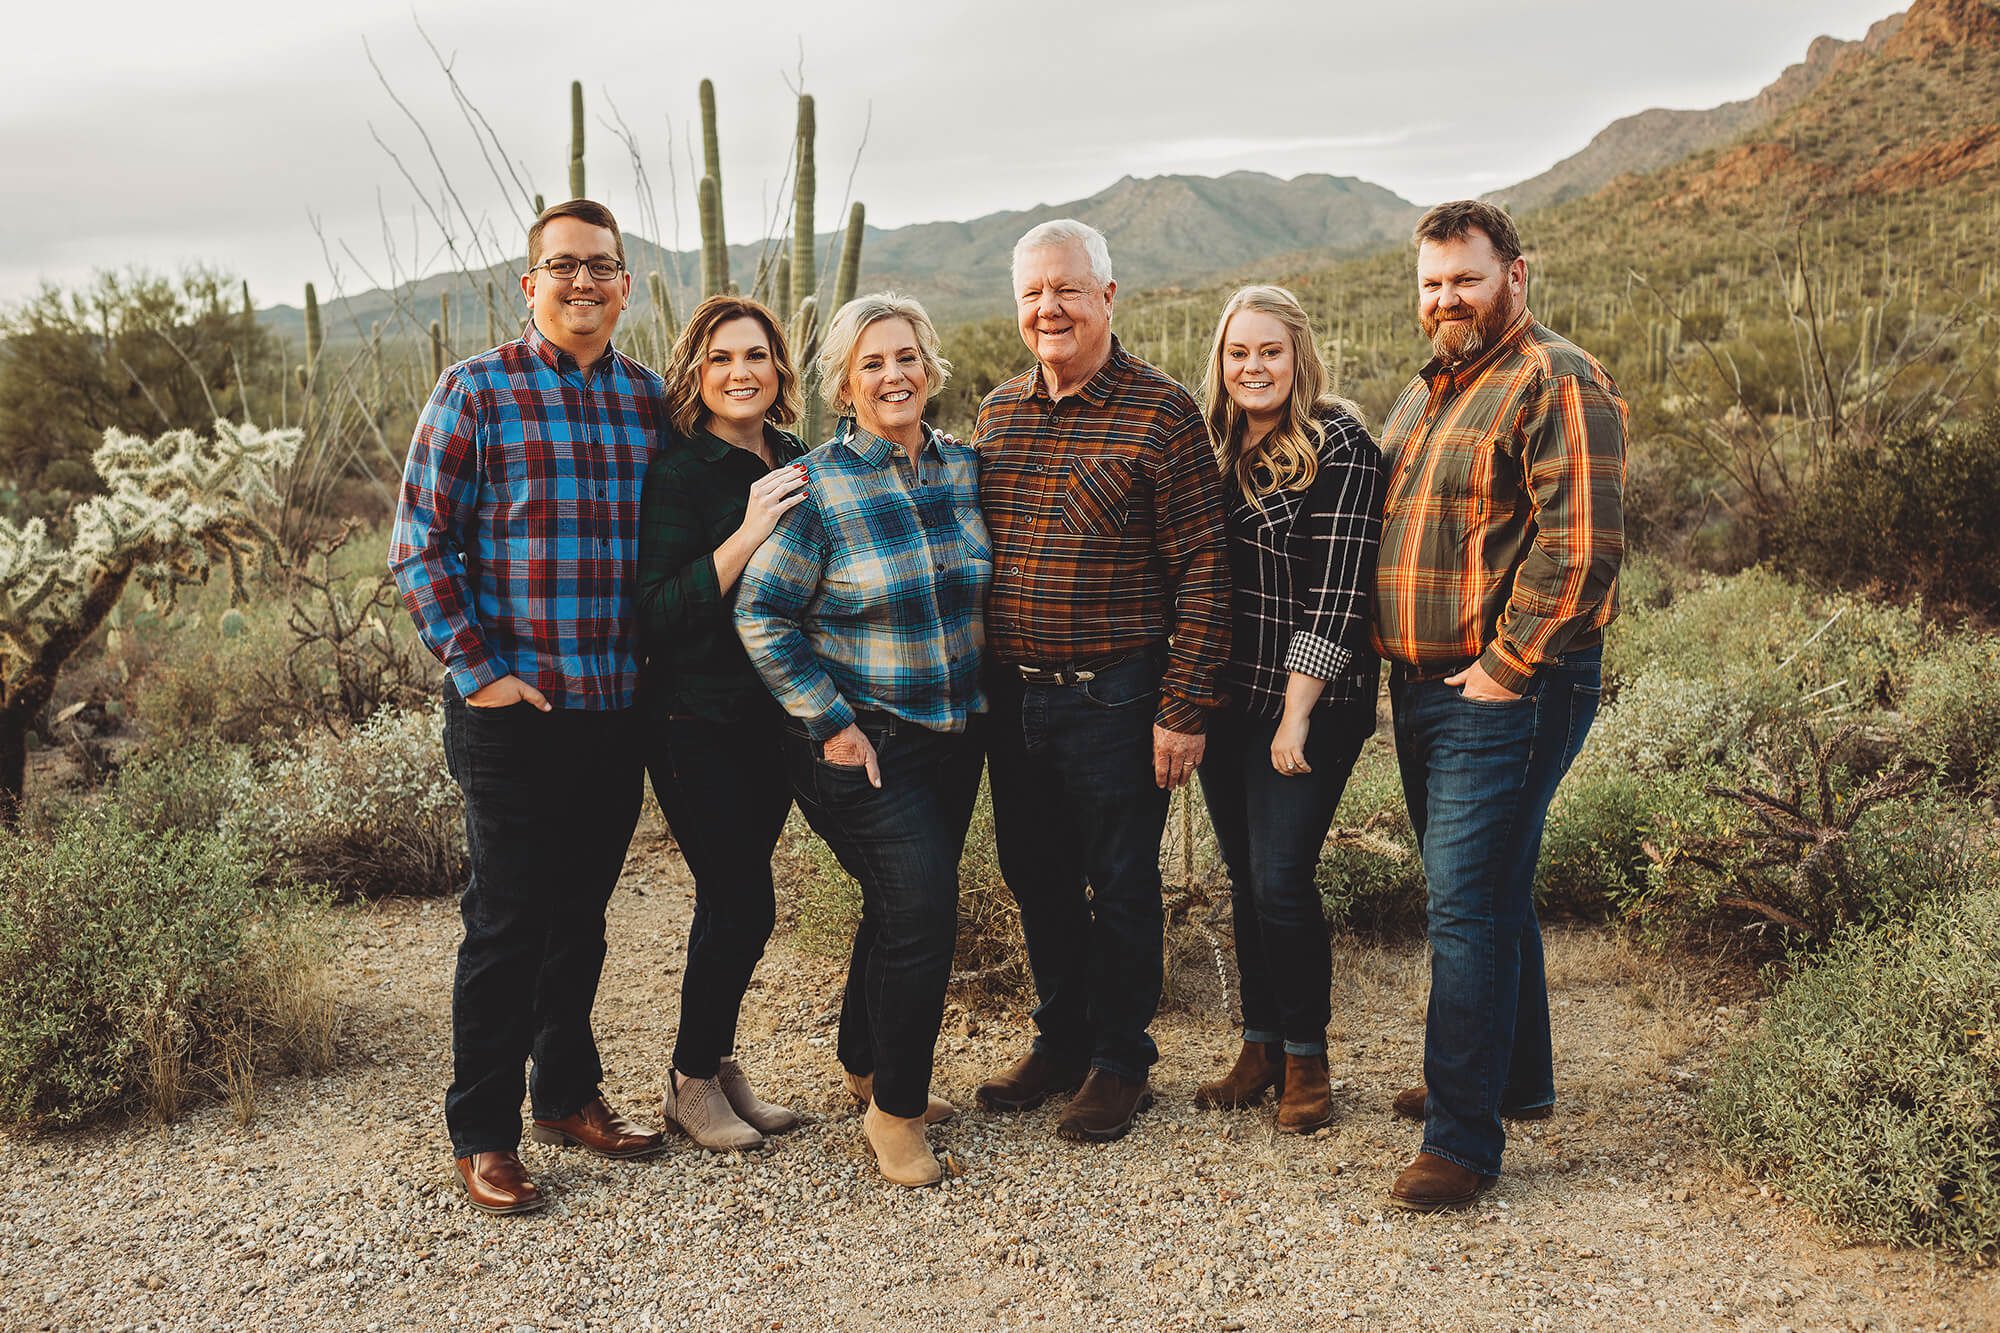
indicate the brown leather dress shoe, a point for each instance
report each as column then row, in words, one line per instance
column 1259, row 1065
column 1103, row 1108
column 1307, row 1102
column 1431, row 1184
column 599, row 1129
column 1028, row 1082
column 1409, row 1104
column 496, row 1182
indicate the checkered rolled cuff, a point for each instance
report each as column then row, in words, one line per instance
column 1322, row 659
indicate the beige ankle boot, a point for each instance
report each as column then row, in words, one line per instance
column 861, row 1087
column 900, row 1151
column 700, row 1110
column 765, row 1117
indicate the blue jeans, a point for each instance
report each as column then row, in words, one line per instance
column 1479, row 778
column 902, row 841
column 550, row 803
column 1075, row 805
column 1271, row 826
column 725, row 793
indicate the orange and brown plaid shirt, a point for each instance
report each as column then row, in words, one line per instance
column 1504, row 522
column 1106, row 511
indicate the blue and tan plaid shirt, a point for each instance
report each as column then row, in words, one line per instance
column 870, row 594
column 517, row 533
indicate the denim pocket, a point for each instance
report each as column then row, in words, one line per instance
column 1122, row 689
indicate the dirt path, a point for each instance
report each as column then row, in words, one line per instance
column 334, row 1209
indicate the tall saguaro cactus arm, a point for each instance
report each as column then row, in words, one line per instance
column 848, row 275
column 174, row 506
column 711, row 158
column 805, row 273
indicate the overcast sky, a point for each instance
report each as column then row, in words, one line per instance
column 220, row 131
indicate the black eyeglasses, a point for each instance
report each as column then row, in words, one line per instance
column 565, row 268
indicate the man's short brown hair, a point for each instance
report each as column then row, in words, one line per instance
column 583, row 210
column 1461, row 217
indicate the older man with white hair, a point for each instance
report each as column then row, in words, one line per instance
column 1106, row 622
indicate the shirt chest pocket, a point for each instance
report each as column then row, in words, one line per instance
column 1470, row 469
column 1097, row 497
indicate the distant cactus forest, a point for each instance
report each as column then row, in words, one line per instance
column 210, row 696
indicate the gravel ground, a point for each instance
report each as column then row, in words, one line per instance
column 335, row 1207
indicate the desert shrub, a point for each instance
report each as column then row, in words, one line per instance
column 1815, row 836
column 1870, row 1092
column 1370, row 874
column 368, row 814
column 1909, row 517
column 1660, row 722
column 1593, row 853
column 138, row 967
column 1947, row 707
column 195, row 787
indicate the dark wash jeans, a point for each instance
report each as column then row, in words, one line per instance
column 1074, row 804
column 902, row 842
column 725, row 793
column 550, row 803
column 1479, row 778
column 1271, row 826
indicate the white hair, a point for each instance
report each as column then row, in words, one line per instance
column 836, row 347
column 1067, row 231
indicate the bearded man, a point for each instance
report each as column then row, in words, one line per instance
column 1502, row 533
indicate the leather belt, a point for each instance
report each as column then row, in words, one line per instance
column 1035, row 674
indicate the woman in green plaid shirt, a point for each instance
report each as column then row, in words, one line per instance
column 711, row 498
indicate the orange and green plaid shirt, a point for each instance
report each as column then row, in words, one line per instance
column 1504, row 522
column 1107, row 515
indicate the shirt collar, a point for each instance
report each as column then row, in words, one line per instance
column 873, row 449
column 557, row 359
column 1467, row 371
column 1097, row 389
column 712, row 448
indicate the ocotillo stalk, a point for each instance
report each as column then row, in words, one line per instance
column 711, row 157
column 804, row 273
column 714, row 262
column 663, row 311
column 437, row 352
column 576, row 140
column 849, row 273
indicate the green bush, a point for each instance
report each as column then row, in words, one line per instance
column 1912, row 517
column 194, row 787
column 1593, row 857
column 1870, row 1093
column 137, row 967
column 1370, row 874
column 1659, row 723
column 369, row 814
column 1947, row 705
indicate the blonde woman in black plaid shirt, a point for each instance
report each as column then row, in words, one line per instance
column 1305, row 495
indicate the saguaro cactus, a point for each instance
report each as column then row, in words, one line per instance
column 575, row 140
column 314, row 332
column 849, row 272
column 714, row 259
column 711, row 157
column 437, row 352
column 663, row 312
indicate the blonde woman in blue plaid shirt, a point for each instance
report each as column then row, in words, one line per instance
column 863, row 616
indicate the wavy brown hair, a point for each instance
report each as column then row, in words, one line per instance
column 683, row 376
column 1288, row 458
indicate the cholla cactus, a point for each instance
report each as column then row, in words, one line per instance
column 175, row 506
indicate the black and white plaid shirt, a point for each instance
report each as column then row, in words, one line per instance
column 1302, row 565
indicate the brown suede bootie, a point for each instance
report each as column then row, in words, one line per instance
column 1259, row 1065
column 1307, row 1102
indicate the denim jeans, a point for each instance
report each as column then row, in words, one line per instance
column 1075, row 805
column 1479, row 778
column 902, row 842
column 1271, row 826
column 725, row 793
column 550, row 803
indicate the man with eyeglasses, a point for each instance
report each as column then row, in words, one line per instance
column 515, row 547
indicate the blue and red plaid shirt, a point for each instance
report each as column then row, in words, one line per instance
column 517, row 534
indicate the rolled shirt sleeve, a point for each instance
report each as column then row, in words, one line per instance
column 777, row 588
column 1337, row 535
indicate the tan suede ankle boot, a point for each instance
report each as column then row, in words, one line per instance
column 861, row 1087
column 1259, row 1065
column 900, row 1150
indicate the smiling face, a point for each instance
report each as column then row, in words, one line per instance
column 885, row 379
column 1466, row 297
column 579, row 314
column 739, row 381
column 1064, row 312
column 1258, row 365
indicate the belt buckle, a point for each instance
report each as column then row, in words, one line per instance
column 1035, row 675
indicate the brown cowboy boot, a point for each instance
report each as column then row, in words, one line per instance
column 496, row 1182
column 1029, row 1082
column 1307, row 1102
column 1430, row 1184
column 1103, row 1108
column 1259, row 1065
